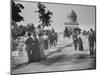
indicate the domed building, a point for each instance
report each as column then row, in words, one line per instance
column 71, row 21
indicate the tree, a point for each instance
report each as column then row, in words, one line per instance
column 16, row 9
column 45, row 17
column 18, row 31
column 16, row 17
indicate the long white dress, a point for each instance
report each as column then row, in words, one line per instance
column 42, row 46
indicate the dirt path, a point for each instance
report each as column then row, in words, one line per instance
column 60, row 58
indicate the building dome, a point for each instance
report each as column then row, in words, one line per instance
column 71, row 18
column 72, row 14
column 71, row 22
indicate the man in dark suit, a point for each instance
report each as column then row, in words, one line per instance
column 75, row 39
column 91, row 40
column 29, row 47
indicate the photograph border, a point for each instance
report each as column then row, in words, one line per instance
column 59, row 4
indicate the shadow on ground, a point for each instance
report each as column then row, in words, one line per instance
column 48, row 60
column 59, row 49
column 64, row 60
column 69, row 59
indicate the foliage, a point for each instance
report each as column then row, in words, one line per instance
column 18, row 31
column 16, row 9
column 21, row 30
column 45, row 17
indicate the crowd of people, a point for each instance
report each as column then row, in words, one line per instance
column 78, row 43
column 35, row 44
column 35, row 48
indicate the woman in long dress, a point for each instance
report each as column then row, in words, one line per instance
column 80, row 43
column 42, row 46
column 36, row 54
column 46, row 41
column 29, row 47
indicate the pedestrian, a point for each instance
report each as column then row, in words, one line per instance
column 91, row 40
column 42, row 46
column 36, row 55
column 75, row 40
column 46, row 40
column 29, row 47
column 55, row 39
column 80, row 43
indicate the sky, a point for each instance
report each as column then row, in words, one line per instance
column 85, row 14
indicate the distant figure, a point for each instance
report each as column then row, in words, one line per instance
column 53, row 39
column 46, row 41
column 91, row 40
column 75, row 40
column 80, row 43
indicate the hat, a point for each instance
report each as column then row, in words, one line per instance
column 40, row 34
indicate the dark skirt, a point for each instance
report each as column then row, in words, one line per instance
column 46, row 44
column 80, row 44
column 35, row 56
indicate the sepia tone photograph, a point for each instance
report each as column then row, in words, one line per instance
column 52, row 37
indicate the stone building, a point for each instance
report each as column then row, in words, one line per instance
column 71, row 21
